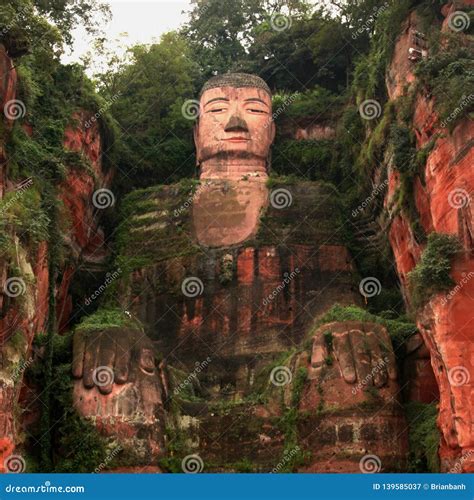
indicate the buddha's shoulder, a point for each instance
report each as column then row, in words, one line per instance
column 155, row 222
column 301, row 211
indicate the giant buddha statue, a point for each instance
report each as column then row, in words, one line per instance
column 228, row 278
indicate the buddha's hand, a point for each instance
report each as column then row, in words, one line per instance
column 120, row 364
column 361, row 352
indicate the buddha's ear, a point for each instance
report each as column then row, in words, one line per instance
column 272, row 131
column 196, row 140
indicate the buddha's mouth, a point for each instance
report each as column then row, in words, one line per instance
column 237, row 139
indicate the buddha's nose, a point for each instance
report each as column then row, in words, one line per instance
column 236, row 124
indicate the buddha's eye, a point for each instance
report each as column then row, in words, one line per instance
column 253, row 110
column 216, row 110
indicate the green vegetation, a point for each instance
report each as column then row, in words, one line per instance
column 432, row 273
column 400, row 329
column 423, row 437
column 449, row 75
column 108, row 318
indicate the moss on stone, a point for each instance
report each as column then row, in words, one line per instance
column 400, row 330
column 108, row 318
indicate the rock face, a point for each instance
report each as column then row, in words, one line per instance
column 221, row 348
column 229, row 314
column 443, row 198
column 24, row 314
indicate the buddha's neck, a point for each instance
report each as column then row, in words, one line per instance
column 234, row 170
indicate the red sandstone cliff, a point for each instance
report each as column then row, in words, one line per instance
column 27, row 314
column 444, row 203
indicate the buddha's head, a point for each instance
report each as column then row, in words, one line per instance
column 235, row 129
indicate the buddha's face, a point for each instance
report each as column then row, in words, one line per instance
column 234, row 124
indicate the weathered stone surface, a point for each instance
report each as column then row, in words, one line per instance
column 444, row 202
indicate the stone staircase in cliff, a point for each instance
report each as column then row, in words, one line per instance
column 369, row 232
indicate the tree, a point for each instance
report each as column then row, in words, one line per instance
column 149, row 95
